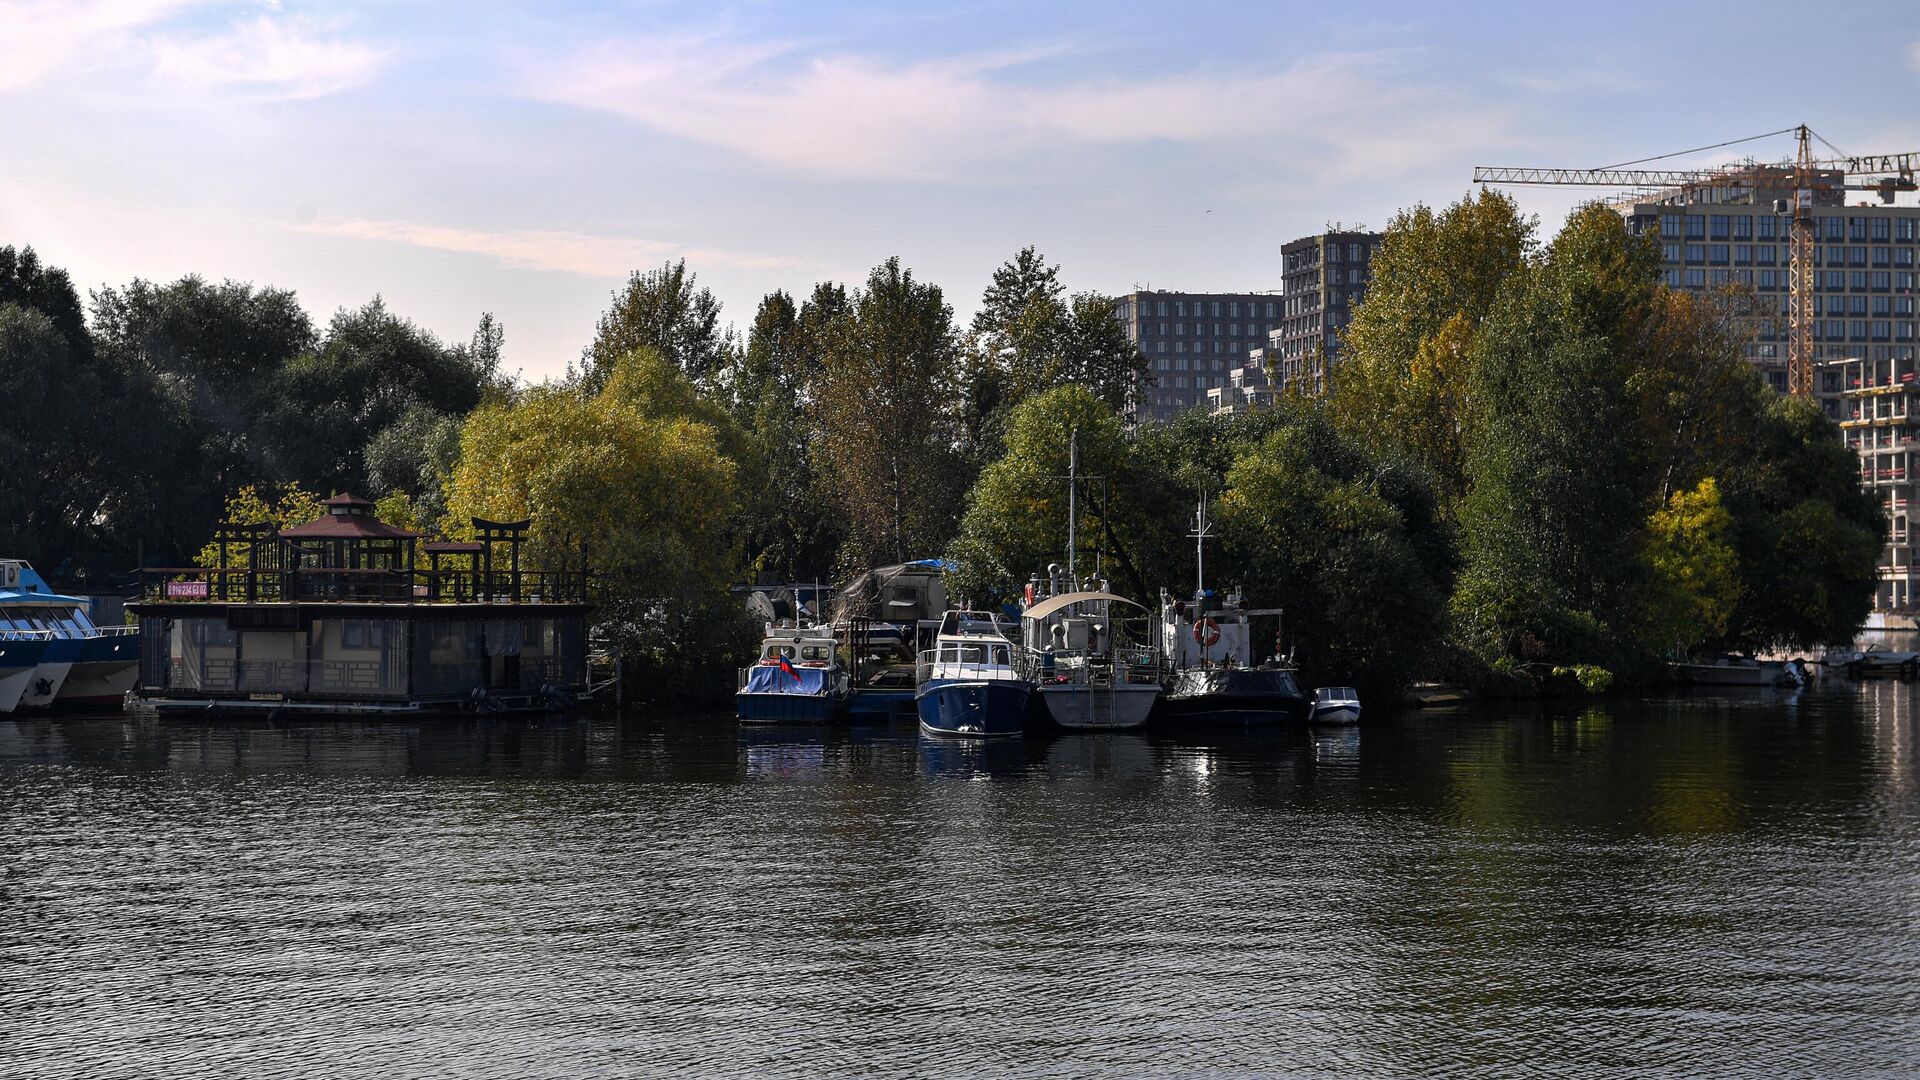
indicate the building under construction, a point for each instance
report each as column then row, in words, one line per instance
column 1729, row 238
column 1874, row 403
column 1731, row 234
column 1827, row 253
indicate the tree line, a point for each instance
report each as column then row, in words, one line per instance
column 1534, row 456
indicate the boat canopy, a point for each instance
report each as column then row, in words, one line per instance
column 1052, row 604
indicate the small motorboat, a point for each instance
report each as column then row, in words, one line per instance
column 968, row 684
column 1873, row 659
column 1335, row 705
column 797, row 680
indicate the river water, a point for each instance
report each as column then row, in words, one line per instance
column 1706, row 884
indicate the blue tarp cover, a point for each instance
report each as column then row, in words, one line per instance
column 765, row 679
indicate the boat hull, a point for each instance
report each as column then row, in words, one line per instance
column 1078, row 707
column 1230, row 698
column 18, row 661
column 13, row 684
column 44, row 685
column 787, row 708
column 976, row 707
column 1756, row 675
column 104, row 683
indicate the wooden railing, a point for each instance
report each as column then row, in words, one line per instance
column 198, row 584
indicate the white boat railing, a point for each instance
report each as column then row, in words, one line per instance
column 930, row 666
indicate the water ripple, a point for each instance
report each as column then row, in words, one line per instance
column 1681, row 886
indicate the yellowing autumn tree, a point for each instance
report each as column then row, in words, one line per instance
column 1695, row 569
column 634, row 470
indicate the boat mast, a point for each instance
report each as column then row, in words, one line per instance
column 1073, row 482
column 1202, row 529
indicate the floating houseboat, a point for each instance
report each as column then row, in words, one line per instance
column 341, row 615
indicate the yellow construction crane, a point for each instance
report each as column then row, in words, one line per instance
column 1797, row 187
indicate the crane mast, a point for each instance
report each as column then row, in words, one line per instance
column 1807, row 174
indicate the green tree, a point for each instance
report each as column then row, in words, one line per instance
column 70, row 457
column 664, row 310
column 295, row 506
column 50, row 496
column 787, row 520
column 1345, row 543
column 414, row 457
column 1028, row 337
column 1405, row 368
column 1016, row 518
column 638, row 472
column 884, row 413
column 1693, row 570
column 1550, row 523
column 207, row 358
column 1809, row 537
column 371, row 367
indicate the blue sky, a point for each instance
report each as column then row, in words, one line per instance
column 519, row 159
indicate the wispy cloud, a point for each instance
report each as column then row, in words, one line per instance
column 964, row 119
column 39, row 37
column 584, row 254
column 274, row 58
column 1913, row 55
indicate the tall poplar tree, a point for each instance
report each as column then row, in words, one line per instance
column 884, row 409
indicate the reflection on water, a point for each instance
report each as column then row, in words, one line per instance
column 1686, row 884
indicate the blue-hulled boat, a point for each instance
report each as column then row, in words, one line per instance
column 967, row 683
column 798, row 679
column 79, row 663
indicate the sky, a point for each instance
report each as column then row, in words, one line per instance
column 522, row 159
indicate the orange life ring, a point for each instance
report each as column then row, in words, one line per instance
column 1207, row 633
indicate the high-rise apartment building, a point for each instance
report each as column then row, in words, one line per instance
column 1716, row 236
column 1192, row 342
column 1323, row 279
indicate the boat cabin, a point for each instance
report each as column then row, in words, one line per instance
column 349, row 613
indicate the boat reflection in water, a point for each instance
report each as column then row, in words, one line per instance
column 954, row 757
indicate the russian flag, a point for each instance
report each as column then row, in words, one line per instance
column 787, row 666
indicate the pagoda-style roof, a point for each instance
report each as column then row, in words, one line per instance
column 348, row 517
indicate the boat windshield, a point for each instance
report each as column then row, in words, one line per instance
column 973, row 654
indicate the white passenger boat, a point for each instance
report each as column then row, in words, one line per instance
column 78, row 663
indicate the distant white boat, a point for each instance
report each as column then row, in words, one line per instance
column 1736, row 671
column 1335, row 705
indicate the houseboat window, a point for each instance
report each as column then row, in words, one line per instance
column 775, row 652
column 905, row 594
column 816, row 653
column 1000, row 654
